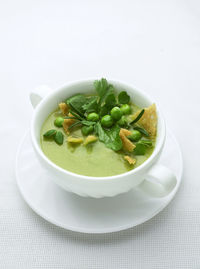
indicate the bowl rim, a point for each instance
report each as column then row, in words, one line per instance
column 134, row 171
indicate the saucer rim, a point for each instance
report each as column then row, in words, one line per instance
column 106, row 230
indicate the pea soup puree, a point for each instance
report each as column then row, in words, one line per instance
column 99, row 135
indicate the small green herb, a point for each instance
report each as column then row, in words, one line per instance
column 110, row 100
column 88, row 123
column 140, row 149
column 59, row 137
column 50, row 133
column 91, row 105
column 142, row 130
column 138, row 117
column 78, row 117
column 73, row 118
column 76, row 103
column 147, row 143
column 86, row 130
column 104, row 110
column 74, row 124
column 123, row 98
column 103, row 88
column 110, row 137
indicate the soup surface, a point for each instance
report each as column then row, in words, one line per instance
column 92, row 160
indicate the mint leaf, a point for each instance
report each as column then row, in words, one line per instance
column 123, row 98
column 110, row 137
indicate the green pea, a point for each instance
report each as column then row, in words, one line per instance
column 107, row 121
column 126, row 109
column 116, row 113
column 140, row 149
column 122, row 122
column 59, row 121
column 86, row 130
column 93, row 117
column 135, row 135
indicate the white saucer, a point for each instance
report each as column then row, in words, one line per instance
column 90, row 215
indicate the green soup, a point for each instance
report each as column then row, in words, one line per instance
column 92, row 160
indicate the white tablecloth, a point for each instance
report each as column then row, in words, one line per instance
column 155, row 45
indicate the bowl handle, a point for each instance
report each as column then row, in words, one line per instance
column 38, row 94
column 159, row 182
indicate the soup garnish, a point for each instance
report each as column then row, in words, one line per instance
column 106, row 118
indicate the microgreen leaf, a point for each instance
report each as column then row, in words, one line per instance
column 50, row 133
column 59, row 137
column 123, row 98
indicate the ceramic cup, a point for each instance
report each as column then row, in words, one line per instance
column 154, row 178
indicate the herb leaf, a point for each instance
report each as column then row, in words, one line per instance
column 74, row 124
column 104, row 110
column 50, row 133
column 91, row 105
column 138, row 117
column 141, row 130
column 59, row 137
column 88, row 123
column 110, row 137
column 145, row 142
column 140, row 149
column 103, row 88
column 76, row 102
column 110, row 100
column 78, row 117
column 123, row 98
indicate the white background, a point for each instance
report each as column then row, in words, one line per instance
column 154, row 45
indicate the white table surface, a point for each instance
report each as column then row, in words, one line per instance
column 155, row 45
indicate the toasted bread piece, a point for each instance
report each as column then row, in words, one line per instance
column 127, row 144
column 64, row 108
column 90, row 139
column 148, row 120
column 130, row 160
column 74, row 140
column 67, row 123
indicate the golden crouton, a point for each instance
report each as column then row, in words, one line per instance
column 130, row 160
column 64, row 108
column 67, row 123
column 90, row 139
column 148, row 120
column 127, row 144
column 74, row 140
